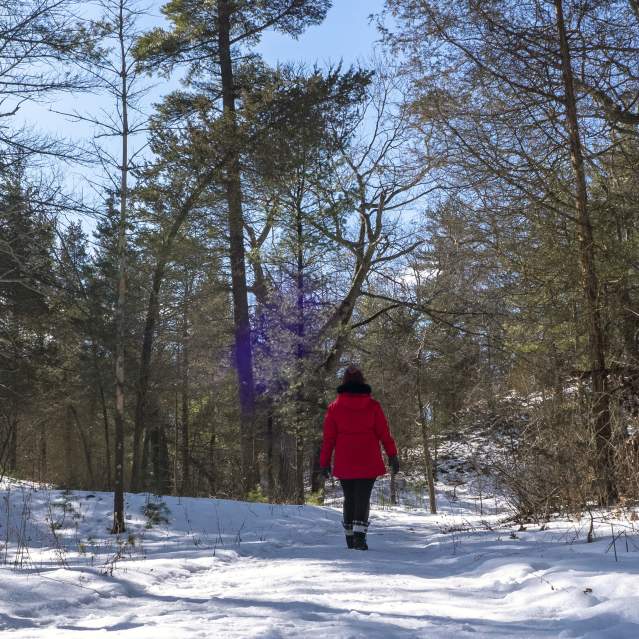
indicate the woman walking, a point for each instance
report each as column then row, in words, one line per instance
column 354, row 426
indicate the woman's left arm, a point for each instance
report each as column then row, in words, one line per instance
column 330, row 437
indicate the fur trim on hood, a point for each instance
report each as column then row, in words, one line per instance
column 354, row 387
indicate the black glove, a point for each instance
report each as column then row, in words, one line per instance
column 393, row 462
column 325, row 472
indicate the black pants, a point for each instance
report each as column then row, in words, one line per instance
column 357, row 500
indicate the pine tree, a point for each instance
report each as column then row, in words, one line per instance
column 26, row 246
column 509, row 86
column 207, row 38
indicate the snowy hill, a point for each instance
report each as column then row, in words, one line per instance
column 215, row 568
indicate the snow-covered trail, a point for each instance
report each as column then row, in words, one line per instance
column 237, row 570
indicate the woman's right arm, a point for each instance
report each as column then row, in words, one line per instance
column 330, row 437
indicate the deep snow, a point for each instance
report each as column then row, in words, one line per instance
column 232, row 569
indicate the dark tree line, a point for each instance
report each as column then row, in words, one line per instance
column 458, row 217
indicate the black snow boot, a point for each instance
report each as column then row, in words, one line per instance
column 348, row 530
column 359, row 533
column 359, row 541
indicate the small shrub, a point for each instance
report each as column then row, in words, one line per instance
column 156, row 513
column 256, row 495
column 316, row 498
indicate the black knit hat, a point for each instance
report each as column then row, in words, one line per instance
column 353, row 375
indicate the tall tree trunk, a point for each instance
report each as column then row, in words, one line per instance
column 69, row 454
column 118, row 487
column 269, row 437
column 42, row 457
column 156, row 449
column 300, row 354
column 105, row 417
column 243, row 348
column 341, row 317
column 393, row 490
column 161, row 461
column 316, row 475
column 426, row 453
column 630, row 323
column 263, row 424
column 184, row 444
column 176, row 434
column 5, row 446
column 86, row 446
column 601, row 397
column 152, row 313
column 145, row 453
column 625, row 234
column 212, row 474
column 299, row 466
column 148, row 335
column 428, row 465
column 12, row 445
column 285, row 464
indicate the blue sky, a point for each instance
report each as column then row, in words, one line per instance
column 347, row 34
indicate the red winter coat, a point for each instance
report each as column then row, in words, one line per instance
column 354, row 426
